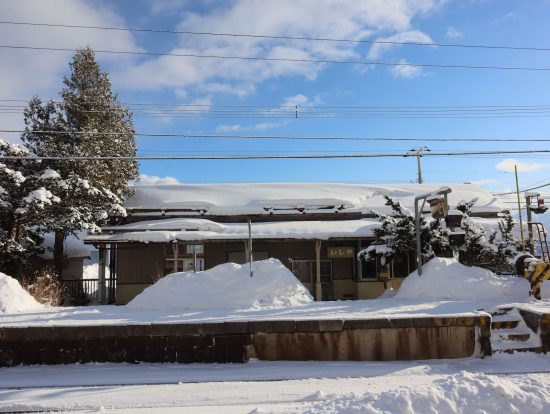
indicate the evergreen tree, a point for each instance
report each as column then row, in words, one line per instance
column 396, row 236
column 88, row 122
column 493, row 250
column 103, row 124
column 24, row 197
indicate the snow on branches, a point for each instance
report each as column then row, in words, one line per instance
column 396, row 235
column 493, row 249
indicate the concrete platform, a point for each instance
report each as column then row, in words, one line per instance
column 366, row 339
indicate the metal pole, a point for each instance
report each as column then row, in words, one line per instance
column 250, row 246
column 318, row 290
column 519, row 210
column 420, row 181
column 529, row 225
column 443, row 191
column 194, row 260
column 417, row 230
column 101, row 275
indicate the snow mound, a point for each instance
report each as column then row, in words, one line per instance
column 13, row 298
column 446, row 279
column 461, row 393
column 227, row 286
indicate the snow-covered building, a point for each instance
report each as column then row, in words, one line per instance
column 198, row 226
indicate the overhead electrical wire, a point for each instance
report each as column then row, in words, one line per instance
column 373, row 107
column 259, row 156
column 295, row 60
column 310, row 111
column 281, row 137
column 279, row 37
column 524, row 190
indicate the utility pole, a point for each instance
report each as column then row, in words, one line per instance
column 519, row 210
column 417, row 152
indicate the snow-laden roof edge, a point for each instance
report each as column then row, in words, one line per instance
column 283, row 198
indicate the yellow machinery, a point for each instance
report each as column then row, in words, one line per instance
column 535, row 270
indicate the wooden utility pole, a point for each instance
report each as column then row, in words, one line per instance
column 318, row 290
column 519, row 210
column 417, row 152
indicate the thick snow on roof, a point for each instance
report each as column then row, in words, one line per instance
column 265, row 198
column 202, row 229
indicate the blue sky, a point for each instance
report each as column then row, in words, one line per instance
column 176, row 81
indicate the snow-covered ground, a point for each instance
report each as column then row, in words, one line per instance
column 13, row 298
column 499, row 384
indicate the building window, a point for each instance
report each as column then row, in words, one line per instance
column 306, row 272
column 373, row 269
column 179, row 257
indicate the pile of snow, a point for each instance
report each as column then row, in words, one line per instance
column 227, row 286
column 446, row 279
column 459, row 393
column 13, row 298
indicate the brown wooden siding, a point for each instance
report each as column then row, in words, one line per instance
column 145, row 263
column 140, row 263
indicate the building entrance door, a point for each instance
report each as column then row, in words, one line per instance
column 306, row 272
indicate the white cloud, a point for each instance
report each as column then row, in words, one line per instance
column 145, row 179
column 406, row 71
column 508, row 164
column 505, row 18
column 24, row 73
column 412, row 36
column 190, row 77
column 453, row 33
column 261, row 126
column 287, row 107
column 347, row 19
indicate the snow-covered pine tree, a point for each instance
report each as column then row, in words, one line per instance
column 91, row 122
column 24, row 196
column 493, row 250
column 104, row 125
column 396, row 235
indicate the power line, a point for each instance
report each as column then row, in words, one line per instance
column 307, row 112
column 279, row 137
column 260, row 157
column 350, row 107
column 296, row 60
column 278, row 37
column 525, row 189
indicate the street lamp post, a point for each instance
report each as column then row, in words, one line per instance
column 443, row 191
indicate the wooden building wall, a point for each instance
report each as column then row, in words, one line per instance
column 139, row 265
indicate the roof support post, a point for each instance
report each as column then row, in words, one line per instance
column 318, row 291
column 101, row 275
column 250, row 253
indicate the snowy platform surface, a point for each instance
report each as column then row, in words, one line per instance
column 357, row 309
column 503, row 383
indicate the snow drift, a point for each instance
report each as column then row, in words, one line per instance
column 13, row 298
column 227, row 286
column 446, row 279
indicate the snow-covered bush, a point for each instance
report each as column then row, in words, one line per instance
column 491, row 249
column 396, row 236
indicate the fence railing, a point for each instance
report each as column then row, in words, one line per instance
column 87, row 290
